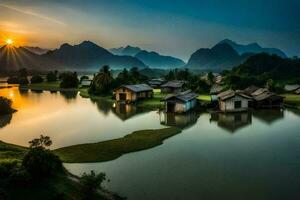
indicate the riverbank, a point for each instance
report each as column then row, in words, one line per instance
column 47, row 86
column 112, row 149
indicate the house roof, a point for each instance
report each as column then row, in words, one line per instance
column 266, row 95
column 297, row 91
column 173, row 84
column 230, row 93
column 291, row 88
column 183, row 96
column 259, row 91
column 249, row 90
column 138, row 87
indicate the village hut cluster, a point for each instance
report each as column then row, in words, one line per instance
column 178, row 100
column 251, row 97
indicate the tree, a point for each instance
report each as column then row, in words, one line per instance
column 42, row 142
column 22, row 72
column 36, row 79
column 5, row 106
column 170, row 76
column 270, row 85
column 69, row 80
column 102, row 82
column 51, row 77
column 210, row 78
column 90, row 183
column 84, row 77
column 39, row 161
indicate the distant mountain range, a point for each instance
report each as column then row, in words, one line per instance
column 151, row 59
column 84, row 56
column 90, row 56
column 253, row 48
column 125, row 51
column 36, row 50
column 226, row 54
column 14, row 58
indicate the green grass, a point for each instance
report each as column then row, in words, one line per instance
column 204, row 97
column 112, row 149
column 84, row 93
column 153, row 103
column 292, row 99
column 9, row 152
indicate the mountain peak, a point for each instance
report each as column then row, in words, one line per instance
column 65, row 45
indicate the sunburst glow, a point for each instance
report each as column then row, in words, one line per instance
column 9, row 41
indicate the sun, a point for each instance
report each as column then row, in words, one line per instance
column 9, row 41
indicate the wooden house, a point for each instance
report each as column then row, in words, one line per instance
column 181, row 102
column 156, row 82
column 132, row 93
column 231, row 101
column 292, row 88
column 172, row 86
column 267, row 100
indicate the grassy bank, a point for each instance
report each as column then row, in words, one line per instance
column 292, row 99
column 84, row 93
column 112, row 149
column 47, row 86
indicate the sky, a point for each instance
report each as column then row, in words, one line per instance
column 171, row 27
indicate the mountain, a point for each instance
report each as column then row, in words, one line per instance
column 125, row 51
column 88, row 55
column 221, row 56
column 152, row 59
column 13, row 58
column 36, row 50
column 156, row 60
column 253, row 48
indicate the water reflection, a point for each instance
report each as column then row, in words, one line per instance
column 182, row 121
column 231, row 122
column 5, row 120
column 69, row 95
column 269, row 116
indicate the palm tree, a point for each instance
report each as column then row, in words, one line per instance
column 102, row 81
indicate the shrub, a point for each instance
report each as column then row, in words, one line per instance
column 36, row 79
column 51, row 77
column 5, row 106
column 69, row 80
column 91, row 182
column 42, row 163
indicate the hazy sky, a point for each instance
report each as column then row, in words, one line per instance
column 174, row 27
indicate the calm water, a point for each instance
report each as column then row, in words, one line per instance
column 244, row 156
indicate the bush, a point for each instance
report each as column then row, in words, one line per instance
column 36, row 79
column 13, row 80
column 69, row 80
column 5, row 106
column 42, row 163
column 90, row 183
column 51, row 77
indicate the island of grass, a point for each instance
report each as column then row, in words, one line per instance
column 292, row 99
column 112, row 149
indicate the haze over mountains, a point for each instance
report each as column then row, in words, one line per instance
column 90, row 56
column 150, row 58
